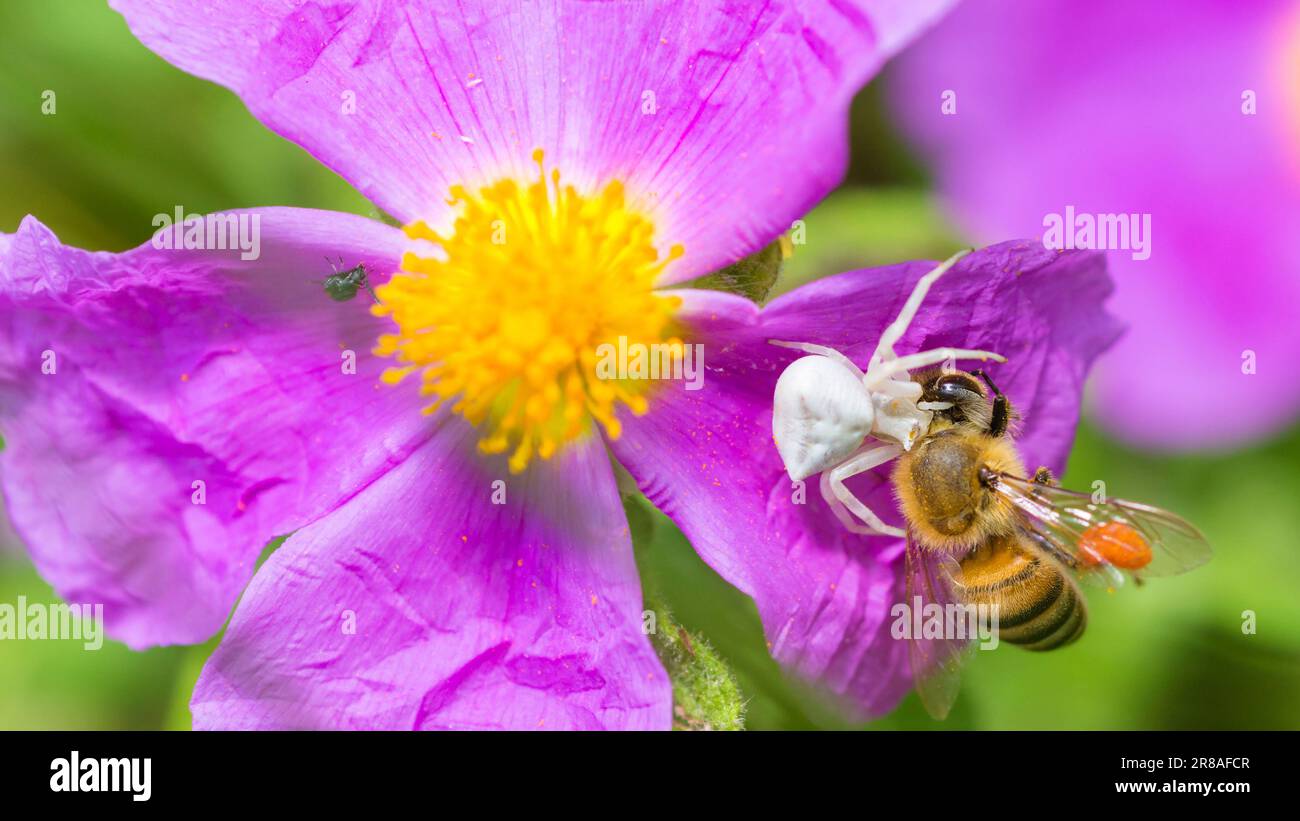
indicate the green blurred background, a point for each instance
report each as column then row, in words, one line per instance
column 132, row 137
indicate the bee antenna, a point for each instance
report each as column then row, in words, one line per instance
column 1001, row 416
column 987, row 381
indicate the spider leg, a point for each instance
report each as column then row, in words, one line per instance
column 895, row 330
column 819, row 350
column 897, row 388
column 841, row 512
column 838, row 496
column 880, row 372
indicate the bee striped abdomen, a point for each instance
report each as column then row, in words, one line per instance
column 1038, row 607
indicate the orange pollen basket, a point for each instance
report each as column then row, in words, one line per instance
column 1114, row 543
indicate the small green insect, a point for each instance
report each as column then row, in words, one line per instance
column 342, row 286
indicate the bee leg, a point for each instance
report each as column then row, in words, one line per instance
column 819, row 350
column 839, row 497
column 1043, row 476
column 895, row 330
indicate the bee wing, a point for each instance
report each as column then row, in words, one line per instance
column 1092, row 538
column 936, row 663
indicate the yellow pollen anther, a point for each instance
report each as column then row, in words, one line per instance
column 507, row 324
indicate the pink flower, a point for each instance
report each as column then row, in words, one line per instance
column 169, row 410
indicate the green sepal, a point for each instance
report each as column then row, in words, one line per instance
column 751, row 277
column 706, row 695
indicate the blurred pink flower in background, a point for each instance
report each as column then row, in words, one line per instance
column 1188, row 112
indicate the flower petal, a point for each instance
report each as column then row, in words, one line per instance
column 1138, row 109
column 428, row 601
column 129, row 379
column 726, row 121
column 706, row 457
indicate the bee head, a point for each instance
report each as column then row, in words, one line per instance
column 968, row 402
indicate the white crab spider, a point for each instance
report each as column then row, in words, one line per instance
column 825, row 408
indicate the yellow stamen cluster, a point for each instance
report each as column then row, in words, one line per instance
column 507, row 321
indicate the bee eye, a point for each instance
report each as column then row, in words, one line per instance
column 954, row 388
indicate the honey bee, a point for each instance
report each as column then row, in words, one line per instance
column 979, row 533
